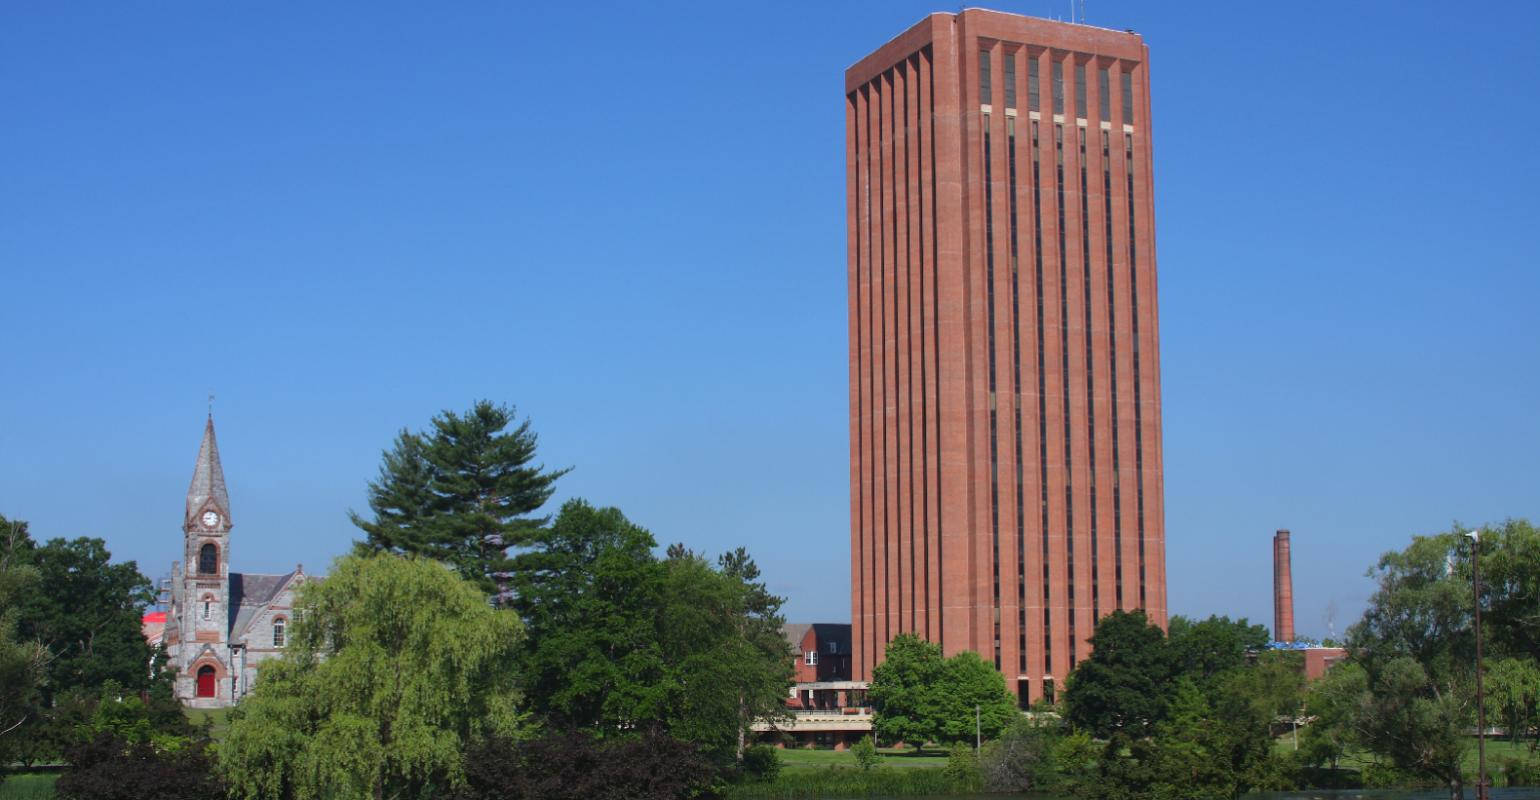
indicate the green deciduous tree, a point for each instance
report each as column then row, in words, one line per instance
column 1332, row 705
column 395, row 666
column 920, row 697
column 1513, row 691
column 1417, row 723
column 23, row 661
column 1123, row 688
column 87, row 610
column 1202, row 649
column 461, row 492
column 620, row 641
column 903, row 691
column 728, row 664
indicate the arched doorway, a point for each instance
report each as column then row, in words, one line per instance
column 205, row 681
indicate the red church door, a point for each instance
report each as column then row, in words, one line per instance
column 205, row 681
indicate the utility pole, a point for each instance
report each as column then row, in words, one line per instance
column 1481, row 709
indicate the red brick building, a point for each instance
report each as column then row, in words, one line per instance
column 1005, row 472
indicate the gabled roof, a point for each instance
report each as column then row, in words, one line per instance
column 208, row 480
column 823, row 633
column 250, row 595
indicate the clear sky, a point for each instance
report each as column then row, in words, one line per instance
column 628, row 220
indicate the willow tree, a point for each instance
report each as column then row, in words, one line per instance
column 396, row 665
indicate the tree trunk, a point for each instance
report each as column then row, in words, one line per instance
column 1456, row 789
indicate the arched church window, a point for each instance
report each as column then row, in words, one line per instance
column 205, row 681
column 208, row 560
column 206, row 607
column 278, row 632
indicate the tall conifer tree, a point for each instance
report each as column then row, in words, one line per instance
column 461, row 492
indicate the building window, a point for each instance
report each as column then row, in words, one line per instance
column 1010, row 80
column 1058, row 87
column 1104, row 93
column 208, row 559
column 985, row 90
column 831, row 647
column 1128, row 99
column 278, row 632
column 1080, row 90
column 1032, row 92
column 206, row 608
column 811, row 658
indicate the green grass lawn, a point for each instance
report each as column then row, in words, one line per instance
column 219, row 717
column 800, row 758
column 28, row 786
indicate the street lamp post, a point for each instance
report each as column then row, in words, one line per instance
column 1481, row 710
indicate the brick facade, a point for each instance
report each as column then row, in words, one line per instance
column 1005, row 471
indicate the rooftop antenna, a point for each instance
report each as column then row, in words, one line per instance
column 1082, row 12
column 211, row 404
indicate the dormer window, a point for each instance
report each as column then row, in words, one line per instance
column 811, row 658
column 278, row 632
column 208, row 559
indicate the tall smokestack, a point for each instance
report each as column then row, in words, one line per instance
column 1283, row 589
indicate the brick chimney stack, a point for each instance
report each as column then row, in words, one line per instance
column 1283, row 589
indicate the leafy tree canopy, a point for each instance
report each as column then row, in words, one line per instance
column 919, row 696
column 23, row 661
column 396, row 665
column 620, row 641
column 461, row 492
column 1202, row 649
column 86, row 610
column 1124, row 687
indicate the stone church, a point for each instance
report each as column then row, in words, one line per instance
column 221, row 624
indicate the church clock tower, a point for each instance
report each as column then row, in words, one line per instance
column 201, row 597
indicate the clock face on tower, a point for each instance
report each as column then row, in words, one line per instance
column 210, row 519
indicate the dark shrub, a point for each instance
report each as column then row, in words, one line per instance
column 575, row 766
column 762, row 762
column 107, row 768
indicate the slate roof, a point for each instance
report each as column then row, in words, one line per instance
column 824, row 632
column 250, row 593
column 208, row 480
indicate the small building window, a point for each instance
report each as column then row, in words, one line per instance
column 1104, row 94
column 833, row 648
column 278, row 633
column 1080, row 90
column 1032, row 79
column 208, row 559
column 985, row 90
column 1128, row 99
column 1058, row 87
column 811, row 658
column 1010, row 80
column 206, row 607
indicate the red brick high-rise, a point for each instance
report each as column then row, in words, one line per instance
column 1005, row 472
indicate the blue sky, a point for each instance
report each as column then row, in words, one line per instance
column 629, row 222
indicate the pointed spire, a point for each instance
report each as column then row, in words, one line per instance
column 208, row 480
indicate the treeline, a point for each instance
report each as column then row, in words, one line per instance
column 74, row 663
column 1197, row 711
column 469, row 647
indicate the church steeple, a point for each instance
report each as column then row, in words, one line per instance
column 206, row 494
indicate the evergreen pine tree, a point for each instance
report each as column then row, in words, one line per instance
column 460, row 492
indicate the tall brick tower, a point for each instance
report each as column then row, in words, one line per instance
column 1283, row 589
column 1005, row 472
